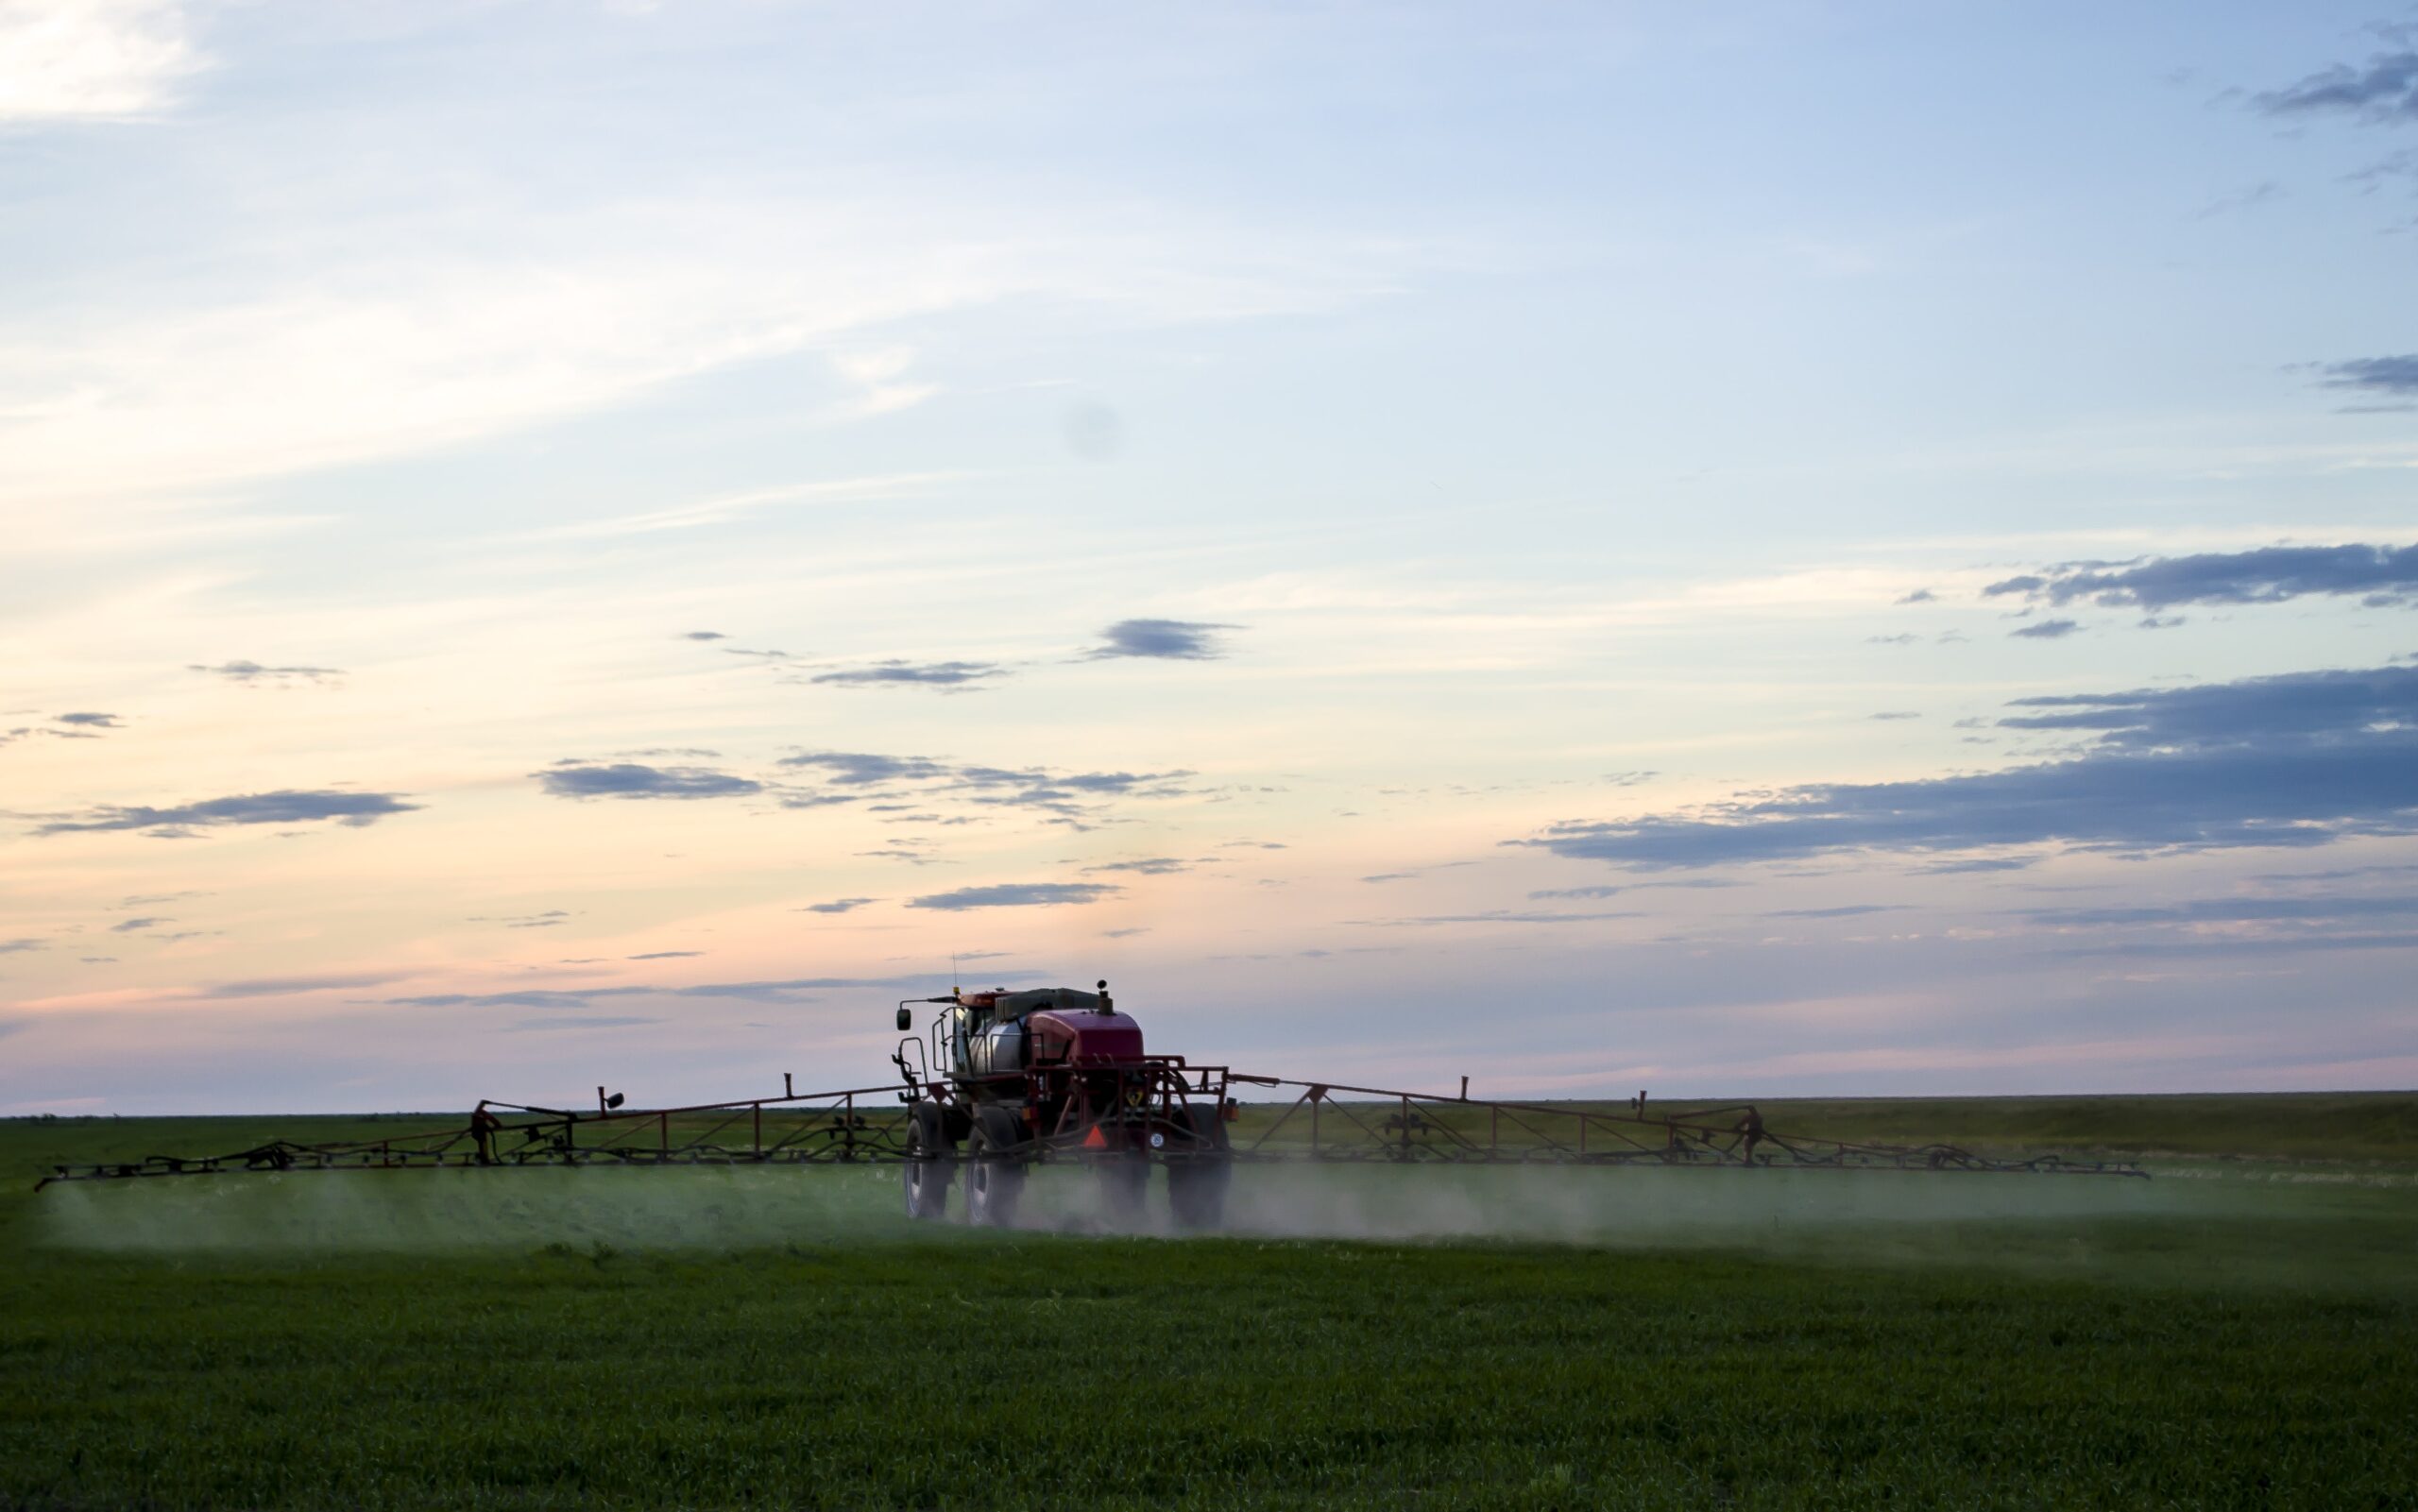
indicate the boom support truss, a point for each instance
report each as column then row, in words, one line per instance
column 1325, row 1122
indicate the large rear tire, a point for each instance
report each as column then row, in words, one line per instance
column 994, row 1170
column 931, row 1160
column 1200, row 1173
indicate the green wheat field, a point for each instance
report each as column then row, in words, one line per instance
column 2240, row 1331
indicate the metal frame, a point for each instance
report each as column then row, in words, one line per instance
column 1732, row 1136
column 1370, row 1124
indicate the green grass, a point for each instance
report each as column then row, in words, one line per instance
column 2379, row 1126
column 782, row 1338
column 2343, row 1127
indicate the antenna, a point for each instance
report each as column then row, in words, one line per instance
column 953, row 988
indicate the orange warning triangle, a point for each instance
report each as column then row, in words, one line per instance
column 1094, row 1139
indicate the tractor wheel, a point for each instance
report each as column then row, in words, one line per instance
column 931, row 1160
column 1198, row 1177
column 1124, row 1188
column 994, row 1170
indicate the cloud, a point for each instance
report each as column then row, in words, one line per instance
column 1979, row 863
column 731, row 508
column 1501, row 916
column 11, row 948
column 768, row 992
column 875, row 374
column 664, row 955
column 2267, row 576
column 546, row 920
column 2295, row 710
column 2201, row 944
column 285, row 806
column 2047, row 630
column 590, row 303
column 81, row 727
column 1151, row 866
column 2339, row 873
column 838, row 906
column 1108, row 782
column 791, row 798
column 526, row 1025
column 765, row 991
column 2233, row 910
column 286, row 986
column 252, row 671
column 526, row 997
column 2384, row 89
column 1015, row 895
column 1069, row 795
column 702, row 634
column 2394, row 376
column 629, row 779
column 958, row 675
column 1919, row 596
column 1072, row 798
column 91, row 60
column 1903, row 638
column 126, row 926
column 863, row 768
column 1168, row 640
column 1850, row 911
column 2294, row 760
column 1895, row 714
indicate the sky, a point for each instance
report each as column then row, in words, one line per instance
column 1785, row 548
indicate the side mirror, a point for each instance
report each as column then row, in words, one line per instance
column 906, row 1020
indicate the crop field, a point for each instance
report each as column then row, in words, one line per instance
column 2241, row 1331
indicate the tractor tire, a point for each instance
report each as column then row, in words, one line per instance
column 1198, row 1177
column 994, row 1170
column 931, row 1160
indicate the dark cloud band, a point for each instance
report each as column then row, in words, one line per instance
column 960, row 677
column 630, row 779
column 2294, row 760
column 1015, row 895
column 2394, row 376
column 1166, row 639
column 286, row 806
column 252, row 671
column 2383, row 88
column 2382, row 574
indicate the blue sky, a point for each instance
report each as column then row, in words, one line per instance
column 1824, row 548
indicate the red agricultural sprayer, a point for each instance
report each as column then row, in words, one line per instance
column 1004, row 1082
